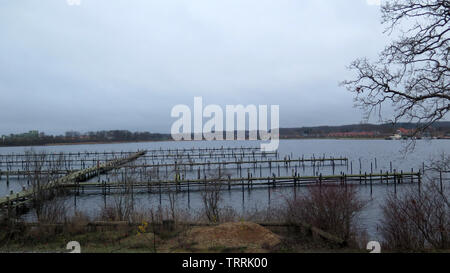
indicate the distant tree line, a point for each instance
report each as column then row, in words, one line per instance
column 381, row 130
column 77, row 137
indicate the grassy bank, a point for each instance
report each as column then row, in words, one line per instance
column 235, row 237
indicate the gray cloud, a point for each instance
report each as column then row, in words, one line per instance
column 110, row 64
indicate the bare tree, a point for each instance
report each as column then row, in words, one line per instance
column 439, row 164
column 332, row 208
column 122, row 207
column 41, row 171
column 412, row 73
column 173, row 204
column 417, row 220
column 212, row 196
column 54, row 211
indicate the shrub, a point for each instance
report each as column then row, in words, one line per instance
column 417, row 220
column 331, row 208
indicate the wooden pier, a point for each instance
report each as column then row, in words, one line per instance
column 10, row 162
column 20, row 198
column 254, row 182
column 323, row 161
column 237, row 162
column 125, row 153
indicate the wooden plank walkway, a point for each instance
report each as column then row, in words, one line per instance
column 122, row 153
column 249, row 182
column 26, row 195
column 240, row 162
column 342, row 161
column 9, row 163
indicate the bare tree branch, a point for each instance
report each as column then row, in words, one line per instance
column 412, row 73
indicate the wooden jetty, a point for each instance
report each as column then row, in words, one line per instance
column 323, row 161
column 20, row 198
column 238, row 162
column 250, row 182
column 124, row 153
column 213, row 155
column 22, row 161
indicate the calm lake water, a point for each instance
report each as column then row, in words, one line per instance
column 361, row 154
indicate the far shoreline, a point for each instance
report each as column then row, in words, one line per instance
column 172, row 140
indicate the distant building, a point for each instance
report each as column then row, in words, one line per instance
column 396, row 136
column 33, row 134
column 405, row 132
column 352, row 134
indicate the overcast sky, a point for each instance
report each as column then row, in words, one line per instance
column 123, row 64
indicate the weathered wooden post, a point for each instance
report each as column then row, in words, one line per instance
column 303, row 163
column 419, row 181
column 160, row 193
column 8, row 202
column 98, row 170
column 320, row 181
column 189, row 194
column 295, row 179
column 395, row 182
column 243, row 194
column 387, row 178
column 332, row 162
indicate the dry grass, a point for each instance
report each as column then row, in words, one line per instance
column 237, row 236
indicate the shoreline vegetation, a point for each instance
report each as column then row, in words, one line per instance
column 167, row 140
column 147, row 141
column 296, row 226
column 439, row 130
